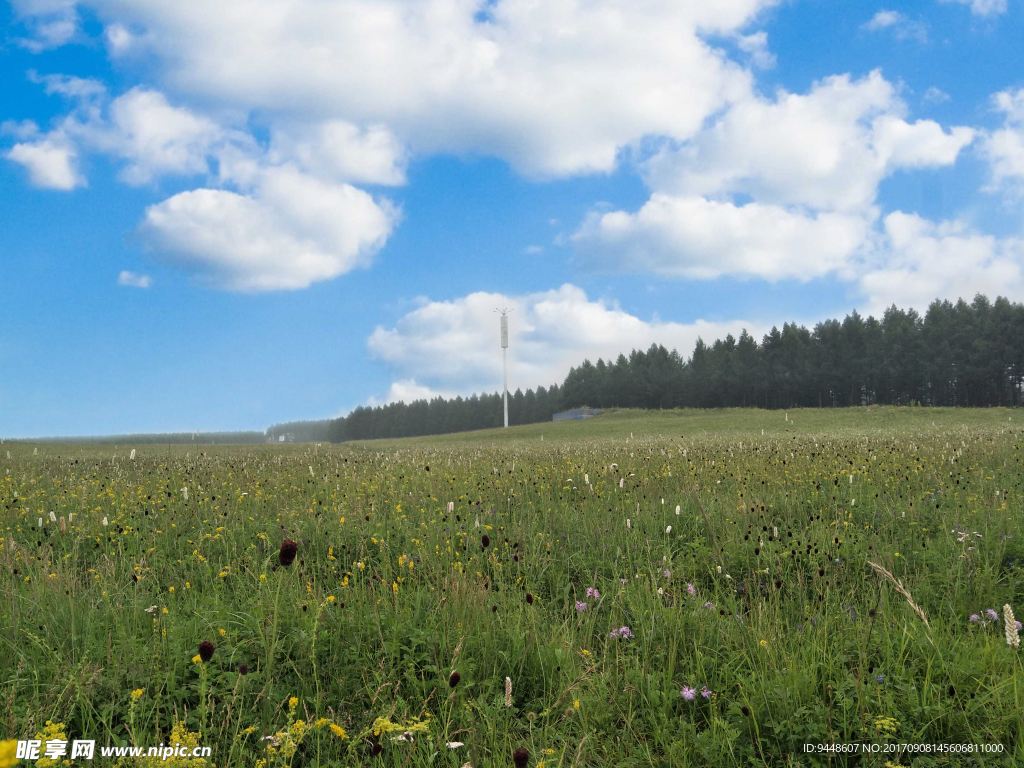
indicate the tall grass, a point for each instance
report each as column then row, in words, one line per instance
column 761, row 598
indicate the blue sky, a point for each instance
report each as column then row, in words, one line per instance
column 227, row 216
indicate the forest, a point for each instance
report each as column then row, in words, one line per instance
column 962, row 355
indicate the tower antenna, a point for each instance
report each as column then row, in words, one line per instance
column 504, row 358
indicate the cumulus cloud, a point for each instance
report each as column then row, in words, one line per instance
column 51, row 162
column 341, row 150
column 453, row 346
column 555, row 88
column 983, row 7
column 809, row 166
column 407, row 391
column 132, row 280
column 50, row 23
column 756, row 46
column 920, row 260
column 903, row 28
column 1004, row 147
column 693, row 237
column 827, row 149
column 287, row 231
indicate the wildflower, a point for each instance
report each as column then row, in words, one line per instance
column 529, row 598
column 879, row 678
column 668, row 529
column 745, row 711
column 622, row 633
column 485, row 540
column 677, row 509
column 975, row 617
column 691, row 589
column 508, row 692
column 454, row 744
column 453, row 679
column 206, row 649
column 992, row 614
column 667, row 573
column 520, row 758
column 581, row 606
column 661, row 591
column 688, row 693
column 1011, row 627
column 628, row 524
column 592, row 592
column 287, row 553
column 705, row 692
column 338, row 731
column 576, row 704
column 243, row 669
column 137, row 694
column 709, row 605
column 8, row 752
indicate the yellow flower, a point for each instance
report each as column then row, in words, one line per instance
column 170, row 589
column 576, row 704
column 8, row 750
column 764, row 643
column 137, row 694
column 222, row 632
column 293, row 703
column 337, row 730
column 197, row 659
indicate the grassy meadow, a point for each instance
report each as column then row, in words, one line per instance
column 692, row 588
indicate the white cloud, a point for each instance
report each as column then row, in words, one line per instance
column 983, row 7
column 453, row 345
column 935, row 95
column 407, row 391
column 1004, row 147
column 341, row 151
column 555, row 88
column 132, row 280
column 902, row 27
column 919, row 261
column 51, row 161
column 756, row 46
column 698, row 238
column 289, row 231
column 52, row 23
column 828, row 149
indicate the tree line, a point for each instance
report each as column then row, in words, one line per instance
column 962, row 354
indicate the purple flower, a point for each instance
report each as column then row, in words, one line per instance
column 622, row 580
column 668, row 573
column 975, row 617
column 705, row 692
column 880, row 678
column 709, row 605
column 992, row 614
column 1019, row 625
column 622, row 633
column 691, row 589
column 688, row 693
column 592, row 592
column 581, row 606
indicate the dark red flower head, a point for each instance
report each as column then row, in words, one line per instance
column 520, row 758
column 485, row 540
column 287, row 553
column 745, row 711
column 206, row 649
column 454, row 679
column 376, row 749
column 243, row 669
column 529, row 598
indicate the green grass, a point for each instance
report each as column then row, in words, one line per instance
column 798, row 638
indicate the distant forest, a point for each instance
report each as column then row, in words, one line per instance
column 963, row 354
